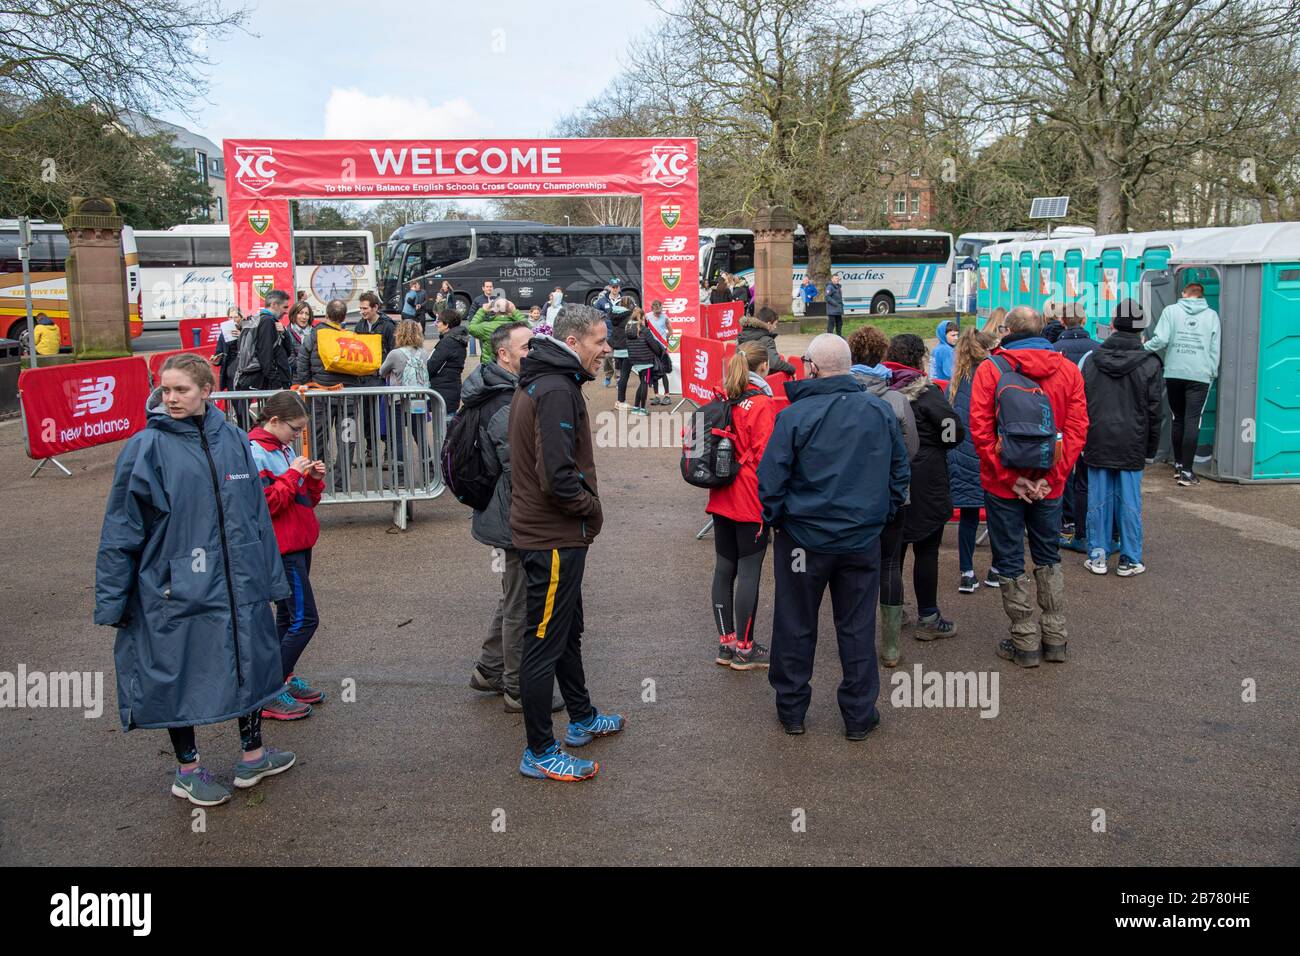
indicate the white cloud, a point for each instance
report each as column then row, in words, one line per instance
column 352, row 114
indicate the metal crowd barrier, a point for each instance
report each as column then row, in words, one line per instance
column 366, row 437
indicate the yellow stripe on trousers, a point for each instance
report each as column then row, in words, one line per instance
column 550, row 595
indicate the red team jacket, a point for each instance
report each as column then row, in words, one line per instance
column 291, row 497
column 752, row 420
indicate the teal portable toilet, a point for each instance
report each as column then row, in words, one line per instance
column 1023, row 289
column 1252, row 433
column 984, row 288
column 1005, row 282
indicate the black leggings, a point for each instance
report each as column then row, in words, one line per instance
column 741, row 547
column 925, row 571
column 187, row 750
column 1186, row 402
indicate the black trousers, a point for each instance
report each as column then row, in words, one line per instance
column 802, row 577
column 552, row 641
column 1186, row 402
column 835, row 324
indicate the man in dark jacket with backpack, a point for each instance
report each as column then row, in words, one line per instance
column 1124, row 384
column 1024, row 386
column 263, row 361
column 555, row 515
column 487, row 395
column 834, row 472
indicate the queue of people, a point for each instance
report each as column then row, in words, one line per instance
column 205, row 553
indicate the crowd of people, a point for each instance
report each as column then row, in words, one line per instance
column 211, row 596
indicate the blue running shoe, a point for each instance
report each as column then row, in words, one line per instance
column 555, row 764
column 598, row 725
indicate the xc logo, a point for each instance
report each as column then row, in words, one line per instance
column 668, row 165
column 255, row 166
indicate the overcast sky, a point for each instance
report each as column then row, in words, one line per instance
column 379, row 68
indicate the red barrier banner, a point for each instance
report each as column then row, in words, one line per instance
column 196, row 333
column 722, row 321
column 68, row 407
column 264, row 175
column 702, row 361
column 157, row 359
column 797, row 362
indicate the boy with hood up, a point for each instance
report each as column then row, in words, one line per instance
column 1123, row 382
column 941, row 357
column 1187, row 339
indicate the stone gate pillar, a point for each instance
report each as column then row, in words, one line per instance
column 98, row 313
column 774, row 259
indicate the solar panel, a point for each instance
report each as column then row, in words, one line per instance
column 1049, row 207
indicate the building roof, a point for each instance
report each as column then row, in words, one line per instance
column 181, row 137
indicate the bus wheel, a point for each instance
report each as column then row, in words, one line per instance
column 882, row 304
column 461, row 304
column 592, row 296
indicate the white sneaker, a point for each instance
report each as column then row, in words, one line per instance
column 622, row 405
column 1096, row 565
column 1129, row 568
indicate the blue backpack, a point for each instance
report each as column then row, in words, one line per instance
column 1027, row 435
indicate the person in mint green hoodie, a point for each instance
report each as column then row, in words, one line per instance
column 1186, row 337
column 488, row 319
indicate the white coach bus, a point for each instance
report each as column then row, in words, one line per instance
column 185, row 271
column 881, row 271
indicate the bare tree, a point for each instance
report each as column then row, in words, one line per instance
column 114, row 54
column 1124, row 79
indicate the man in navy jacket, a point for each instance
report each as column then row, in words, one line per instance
column 834, row 472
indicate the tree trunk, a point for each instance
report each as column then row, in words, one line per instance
column 1112, row 206
column 819, row 252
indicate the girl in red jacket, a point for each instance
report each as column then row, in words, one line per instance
column 739, row 535
column 292, row 485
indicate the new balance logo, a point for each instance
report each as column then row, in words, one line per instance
column 701, row 370
column 263, row 250
column 95, row 396
column 672, row 244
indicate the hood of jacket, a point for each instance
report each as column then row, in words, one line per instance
column 752, row 322
column 874, row 378
column 808, row 387
column 1035, row 356
column 760, row 383
column 158, row 418
column 265, row 438
column 457, row 332
column 484, row 382
column 941, row 330
column 1193, row 306
column 1120, row 354
column 902, row 378
column 548, row 356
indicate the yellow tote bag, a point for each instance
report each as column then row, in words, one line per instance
column 348, row 353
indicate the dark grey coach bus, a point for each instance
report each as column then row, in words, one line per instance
column 526, row 259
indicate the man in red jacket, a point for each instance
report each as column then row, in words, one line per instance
column 1017, row 501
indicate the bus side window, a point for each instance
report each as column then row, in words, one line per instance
column 584, row 245
column 413, row 264
column 496, row 245
column 617, row 245
column 302, row 250
column 742, row 254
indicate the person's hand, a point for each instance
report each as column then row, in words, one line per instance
column 318, row 470
column 301, row 464
column 1024, row 489
column 1043, row 489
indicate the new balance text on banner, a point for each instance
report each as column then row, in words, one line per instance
column 266, row 174
column 722, row 321
column 67, row 407
column 199, row 332
column 702, row 361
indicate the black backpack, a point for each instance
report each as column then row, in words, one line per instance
column 1026, row 426
column 465, row 468
column 709, row 444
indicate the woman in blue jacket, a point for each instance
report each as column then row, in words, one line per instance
column 187, row 567
column 963, row 462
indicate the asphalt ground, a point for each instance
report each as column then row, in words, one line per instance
column 1146, row 723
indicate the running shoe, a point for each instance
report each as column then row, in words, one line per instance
column 1129, row 568
column 991, row 579
column 1096, row 565
column 622, row 406
column 1187, row 479
column 726, row 650
column 273, row 761
column 555, row 764
column 597, row 725
column 751, row 657
column 968, row 584
column 198, row 787
column 479, row 681
column 303, row 692
column 285, row 707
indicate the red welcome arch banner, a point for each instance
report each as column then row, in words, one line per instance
column 263, row 175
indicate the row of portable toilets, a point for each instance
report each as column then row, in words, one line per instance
column 1251, row 427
